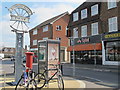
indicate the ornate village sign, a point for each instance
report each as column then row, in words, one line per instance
column 20, row 15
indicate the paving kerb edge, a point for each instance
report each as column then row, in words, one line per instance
column 82, row 84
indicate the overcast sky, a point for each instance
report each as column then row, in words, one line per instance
column 43, row 11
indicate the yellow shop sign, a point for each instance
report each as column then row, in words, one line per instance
column 115, row 35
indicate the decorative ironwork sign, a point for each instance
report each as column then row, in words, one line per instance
column 20, row 15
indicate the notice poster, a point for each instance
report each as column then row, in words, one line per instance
column 53, row 57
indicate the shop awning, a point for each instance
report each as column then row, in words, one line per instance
column 85, row 47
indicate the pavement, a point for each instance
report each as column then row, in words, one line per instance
column 70, row 82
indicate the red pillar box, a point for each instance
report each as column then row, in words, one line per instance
column 29, row 60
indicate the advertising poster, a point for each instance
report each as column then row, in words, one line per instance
column 53, row 57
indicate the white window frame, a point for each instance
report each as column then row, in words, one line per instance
column 113, row 24
column 45, row 38
column 58, row 28
column 45, row 28
column 83, row 13
column 112, row 4
column 58, row 38
column 75, row 32
column 84, row 31
column 94, row 10
column 35, row 42
column 34, row 31
column 66, row 30
column 75, row 16
column 94, row 28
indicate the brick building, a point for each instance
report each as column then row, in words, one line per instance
column 89, row 25
column 110, row 19
column 54, row 28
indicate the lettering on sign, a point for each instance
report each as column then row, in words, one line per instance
column 19, row 18
column 83, row 40
column 112, row 35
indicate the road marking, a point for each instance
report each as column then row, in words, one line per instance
column 92, row 78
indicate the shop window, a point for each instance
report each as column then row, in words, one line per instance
column 113, row 51
column 87, row 57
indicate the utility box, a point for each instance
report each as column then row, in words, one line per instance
column 48, row 53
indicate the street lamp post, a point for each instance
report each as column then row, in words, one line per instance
column 73, row 63
column 94, row 53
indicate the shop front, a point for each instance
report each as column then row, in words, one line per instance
column 88, row 50
column 111, row 48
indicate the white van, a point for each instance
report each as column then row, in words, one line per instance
column 1, row 55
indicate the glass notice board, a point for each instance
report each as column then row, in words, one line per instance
column 48, row 53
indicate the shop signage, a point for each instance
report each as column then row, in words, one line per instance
column 83, row 40
column 115, row 35
column 109, row 36
column 24, row 16
column 88, row 40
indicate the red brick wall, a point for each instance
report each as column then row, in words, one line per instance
column 42, row 34
column 32, row 37
column 52, row 33
column 62, row 33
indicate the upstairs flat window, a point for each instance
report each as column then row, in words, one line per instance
column 34, row 42
column 113, row 24
column 75, row 16
column 58, row 38
column 83, row 13
column 75, row 32
column 35, row 32
column 45, row 28
column 58, row 28
column 45, row 38
column 94, row 10
column 94, row 28
column 112, row 4
column 84, row 31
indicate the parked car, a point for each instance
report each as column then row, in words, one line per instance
column 0, row 58
column 1, row 55
column 24, row 59
column 13, row 58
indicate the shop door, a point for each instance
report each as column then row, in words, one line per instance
column 62, row 56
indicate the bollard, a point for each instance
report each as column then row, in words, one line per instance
column 61, row 67
column 4, row 78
